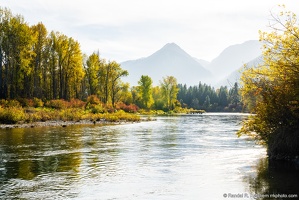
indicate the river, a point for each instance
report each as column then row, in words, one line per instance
column 176, row 157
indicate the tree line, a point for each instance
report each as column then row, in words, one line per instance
column 205, row 97
column 36, row 63
column 51, row 65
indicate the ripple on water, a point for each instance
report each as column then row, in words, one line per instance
column 186, row 157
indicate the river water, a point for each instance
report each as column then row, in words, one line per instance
column 177, row 157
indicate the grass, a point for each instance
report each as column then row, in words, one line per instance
column 13, row 112
column 36, row 110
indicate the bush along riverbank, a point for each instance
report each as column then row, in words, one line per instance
column 271, row 90
column 35, row 112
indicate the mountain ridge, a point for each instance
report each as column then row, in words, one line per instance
column 170, row 60
column 232, row 57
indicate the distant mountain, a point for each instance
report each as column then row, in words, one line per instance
column 170, row 60
column 233, row 57
column 204, row 63
column 236, row 75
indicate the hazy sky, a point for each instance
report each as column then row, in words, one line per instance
column 129, row 29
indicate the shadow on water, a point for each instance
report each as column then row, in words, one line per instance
column 275, row 177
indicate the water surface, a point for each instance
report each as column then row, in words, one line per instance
column 178, row 157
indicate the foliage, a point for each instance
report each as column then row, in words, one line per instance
column 275, row 87
column 71, row 114
column 57, row 104
column 37, row 102
column 35, row 63
column 132, row 108
column 61, row 110
column 169, row 91
column 93, row 99
column 116, row 117
column 205, row 97
column 11, row 115
column 145, row 91
column 93, row 65
column 97, row 108
column 76, row 103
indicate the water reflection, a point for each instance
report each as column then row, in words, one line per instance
column 186, row 157
column 275, row 177
column 27, row 153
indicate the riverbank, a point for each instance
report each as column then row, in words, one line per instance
column 60, row 123
column 19, row 114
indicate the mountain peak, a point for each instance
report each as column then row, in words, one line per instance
column 170, row 50
column 170, row 60
column 171, row 45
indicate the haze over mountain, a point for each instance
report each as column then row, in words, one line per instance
column 170, row 60
column 204, row 63
column 236, row 75
column 231, row 58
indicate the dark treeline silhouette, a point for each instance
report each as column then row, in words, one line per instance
column 207, row 98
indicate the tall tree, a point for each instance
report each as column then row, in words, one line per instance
column 110, row 79
column 145, row 90
column 223, row 96
column 16, row 55
column 116, row 73
column 92, row 71
column 39, row 67
column 169, row 90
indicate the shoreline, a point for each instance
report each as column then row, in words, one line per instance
column 60, row 123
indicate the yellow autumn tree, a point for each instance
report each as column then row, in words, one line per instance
column 274, row 88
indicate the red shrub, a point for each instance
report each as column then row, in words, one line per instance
column 57, row 104
column 76, row 103
column 132, row 108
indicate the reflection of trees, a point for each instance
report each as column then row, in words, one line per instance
column 169, row 136
column 27, row 153
column 275, row 177
column 104, row 148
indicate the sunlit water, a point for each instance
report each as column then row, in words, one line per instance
column 179, row 157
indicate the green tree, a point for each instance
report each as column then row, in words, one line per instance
column 158, row 98
column 16, row 55
column 93, row 66
column 169, row 90
column 207, row 103
column 67, row 66
column 275, row 87
column 39, row 66
column 145, row 91
column 124, row 95
column 234, row 99
column 110, row 79
column 223, row 96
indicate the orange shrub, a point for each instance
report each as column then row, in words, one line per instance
column 132, row 108
column 57, row 104
column 76, row 103
column 93, row 99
